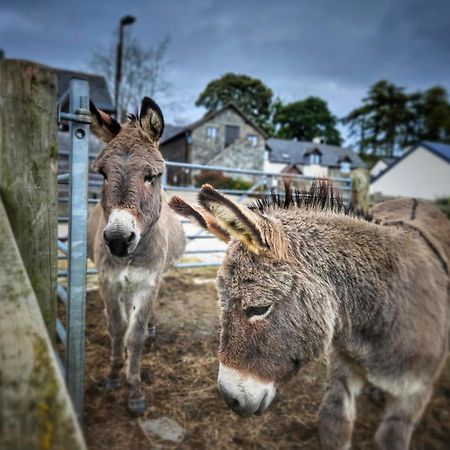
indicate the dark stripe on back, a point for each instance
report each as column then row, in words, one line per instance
column 414, row 208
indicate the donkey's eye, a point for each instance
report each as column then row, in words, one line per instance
column 149, row 178
column 256, row 311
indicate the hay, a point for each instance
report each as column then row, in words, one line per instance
column 179, row 371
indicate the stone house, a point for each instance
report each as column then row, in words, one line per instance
column 226, row 137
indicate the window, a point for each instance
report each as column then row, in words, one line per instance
column 231, row 134
column 211, row 132
column 314, row 158
column 345, row 166
column 253, row 139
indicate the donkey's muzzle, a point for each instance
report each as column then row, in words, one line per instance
column 243, row 393
column 119, row 243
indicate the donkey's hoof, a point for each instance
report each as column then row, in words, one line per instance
column 111, row 383
column 137, row 406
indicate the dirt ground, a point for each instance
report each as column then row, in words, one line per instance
column 179, row 370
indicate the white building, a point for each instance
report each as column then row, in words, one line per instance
column 422, row 172
column 381, row 165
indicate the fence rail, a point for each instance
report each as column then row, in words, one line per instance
column 260, row 187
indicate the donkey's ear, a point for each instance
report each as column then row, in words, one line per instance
column 240, row 222
column 103, row 125
column 198, row 216
column 151, row 119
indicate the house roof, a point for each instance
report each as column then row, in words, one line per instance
column 438, row 148
column 389, row 161
column 170, row 131
column 98, row 88
column 209, row 116
column 296, row 152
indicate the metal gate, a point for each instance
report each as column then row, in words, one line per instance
column 84, row 189
column 72, row 293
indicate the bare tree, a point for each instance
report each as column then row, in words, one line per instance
column 144, row 71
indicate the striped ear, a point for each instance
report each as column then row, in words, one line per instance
column 198, row 216
column 240, row 222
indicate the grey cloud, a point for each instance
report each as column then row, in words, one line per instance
column 298, row 47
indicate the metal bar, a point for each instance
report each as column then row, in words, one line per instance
column 63, row 247
column 202, row 264
column 64, row 273
column 60, row 364
column 64, row 152
column 63, row 177
column 64, row 97
column 202, row 252
column 62, row 293
column 78, row 117
column 245, row 192
column 245, row 172
column 61, row 332
column 91, row 200
column 79, row 170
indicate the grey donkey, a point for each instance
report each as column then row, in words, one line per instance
column 305, row 277
column 133, row 236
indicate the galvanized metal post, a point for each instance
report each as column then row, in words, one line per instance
column 77, row 242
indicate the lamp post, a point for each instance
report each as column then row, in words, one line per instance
column 124, row 21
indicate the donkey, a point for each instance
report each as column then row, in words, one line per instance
column 133, row 236
column 305, row 277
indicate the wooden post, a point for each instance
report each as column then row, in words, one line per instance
column 35, row 409
column 28, row 152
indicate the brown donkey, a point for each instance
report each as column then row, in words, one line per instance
column 305, row 277
column 133, row 236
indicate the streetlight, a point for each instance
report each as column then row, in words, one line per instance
column 124, row 21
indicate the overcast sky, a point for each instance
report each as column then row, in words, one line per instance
column 334, row 49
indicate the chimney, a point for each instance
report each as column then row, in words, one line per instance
column 319, row 140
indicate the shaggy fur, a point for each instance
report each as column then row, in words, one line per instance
column 370, row 295
column 132, row 167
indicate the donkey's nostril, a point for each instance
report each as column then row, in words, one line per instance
column 107, row 236
column 131, row 238
column 231, row 401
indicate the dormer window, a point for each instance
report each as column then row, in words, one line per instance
column 315, row 157
column 345, row 165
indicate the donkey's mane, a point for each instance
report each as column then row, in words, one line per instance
column 321, row 196
column 134, row 117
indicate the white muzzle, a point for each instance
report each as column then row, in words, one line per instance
column 245, row 394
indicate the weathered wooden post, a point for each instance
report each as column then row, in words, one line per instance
column 28, row 151
column 360, row 188
column 35, row 409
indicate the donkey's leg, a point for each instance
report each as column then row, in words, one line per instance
column 338, row 410
column 134, row 340
column 117, row 326
column 402, row 414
